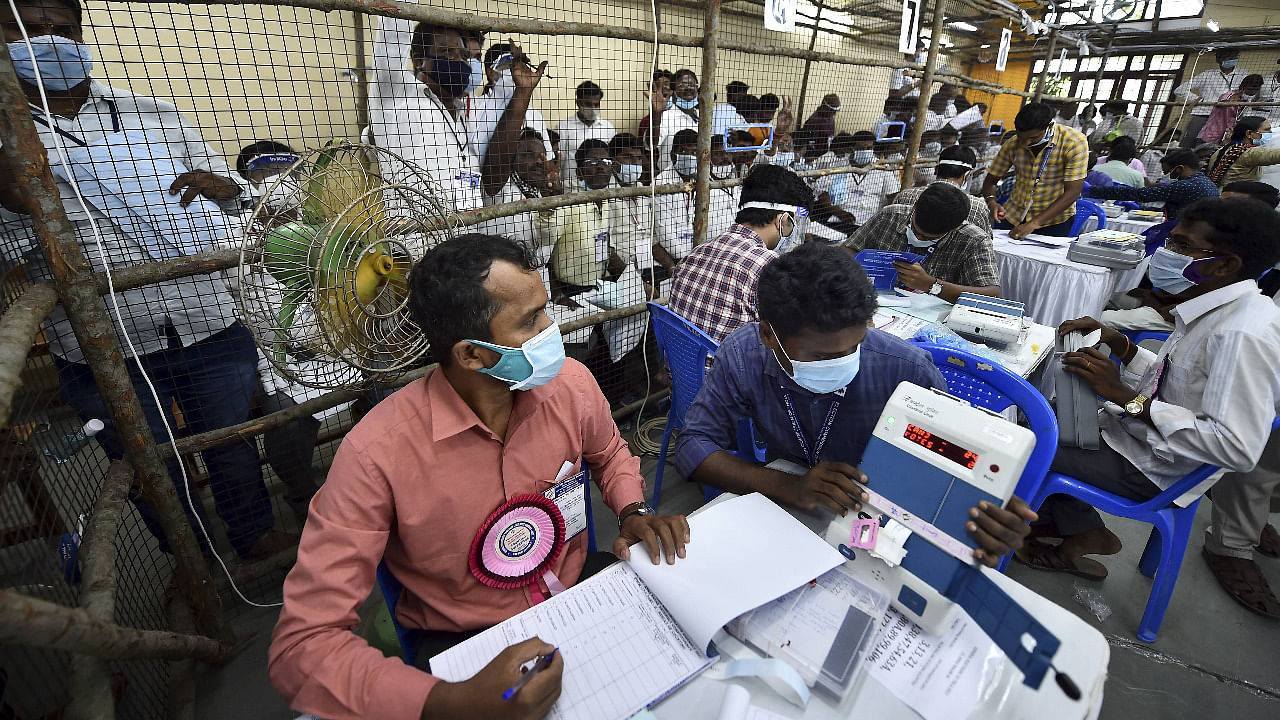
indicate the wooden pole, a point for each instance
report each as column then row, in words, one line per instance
column 804, row 76
column 706, row 105
column 1044, row 71
column 30, row 621
column 18, row 329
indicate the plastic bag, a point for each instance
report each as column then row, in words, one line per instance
column 1092, row 600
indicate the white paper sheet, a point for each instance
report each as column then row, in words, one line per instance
column 737, row 706
column 742, row 553
column 621, row 650
column 939, row 676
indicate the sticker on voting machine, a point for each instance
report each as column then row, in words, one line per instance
column 570, row 495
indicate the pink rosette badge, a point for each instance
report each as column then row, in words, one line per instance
column 518, row 543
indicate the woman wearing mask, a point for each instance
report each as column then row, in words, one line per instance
column 1242, row 158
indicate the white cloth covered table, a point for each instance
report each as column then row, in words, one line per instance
column 1053, row 288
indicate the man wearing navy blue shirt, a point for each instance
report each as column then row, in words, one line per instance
column 814, row 378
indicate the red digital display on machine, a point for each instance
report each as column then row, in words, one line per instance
column 945, row 448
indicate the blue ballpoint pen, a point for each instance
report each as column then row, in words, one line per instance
column 542, row 663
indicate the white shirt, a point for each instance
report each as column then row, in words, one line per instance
column 867, row 193
column 722, row 209
column 1218, row 395
column 1071, row 122
column 484, row 112
column 673, row 121
column 674, row 216
column 573, row 132
column 1208, row 86
column 724, row 116
column 898, row 79
column 197, row 306
column 535, row 230
column 406, row 118
column 631, row 230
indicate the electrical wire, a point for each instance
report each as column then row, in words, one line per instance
column 115, row 307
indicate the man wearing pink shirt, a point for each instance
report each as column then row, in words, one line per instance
column 419, row 475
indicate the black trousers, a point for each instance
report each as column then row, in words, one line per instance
column 434, row 642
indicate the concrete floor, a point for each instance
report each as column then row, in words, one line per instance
column 1213, row 658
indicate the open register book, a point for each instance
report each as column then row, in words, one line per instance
column 637, row 631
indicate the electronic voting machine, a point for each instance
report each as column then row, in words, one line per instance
column 1109, row 248
column 992, row 321
column 932, row 457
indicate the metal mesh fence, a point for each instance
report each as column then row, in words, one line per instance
column 232, row 106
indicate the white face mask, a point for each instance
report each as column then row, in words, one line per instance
column 686, row 165
column 588, row 115
column 784, row 159
column 722, row 172
column 630, row 174
column 914, row 240
column 932, row 148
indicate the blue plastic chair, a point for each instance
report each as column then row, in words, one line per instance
column 988, row 385
column 392, row 589
column 1138, row 336
column 1170, row 531
column 688, row 353
column 1085, row 208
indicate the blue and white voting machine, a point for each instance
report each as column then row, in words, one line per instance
column 931, row 458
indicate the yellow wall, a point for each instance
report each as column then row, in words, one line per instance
column 1000, row 107
column 249, row 72
column 1243, row 13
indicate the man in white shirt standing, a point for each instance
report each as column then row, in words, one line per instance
column 902, row 86
column 1208, row 396
column 683, row 115
column 417, row 109
column 1207, row 87
column 134, row 156
column 585, row 124
column 674, row 212
column 486, row 106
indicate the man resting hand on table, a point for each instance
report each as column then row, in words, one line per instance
column 1209, row 395
column 814, row 378
column 414, row 481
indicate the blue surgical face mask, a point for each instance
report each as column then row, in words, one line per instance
column 686, row 165
column 785, row 159
column 1265, row 139
column 864, row 157
column 824, row 376
column 477, row 75
column 453, row 76
column 1229, row 65
column 64, row 63
column 535, row 363
column 1174, row 272
column 685, row 104
column 932, row 148
column 630, row 174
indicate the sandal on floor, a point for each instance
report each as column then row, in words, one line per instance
column 1050, row 558
column 1243, row 580
column 1269, row 544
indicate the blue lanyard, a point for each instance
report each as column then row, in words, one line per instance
column 823, row 433
column 49, row 123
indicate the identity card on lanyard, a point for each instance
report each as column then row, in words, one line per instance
column 569, row 493
column 812, row 454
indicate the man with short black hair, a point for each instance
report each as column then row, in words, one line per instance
column 631, row 218
column 1051, row 162
column 955, row 166
column 813, row 378
column 585, row 124
column 674, row 213
column 580, row 254
column 413, row 483
column 715, row 287
column 1208, row 396
column 683, row 115
column 1249, row 189
column 958, row 256
column 1115, row 122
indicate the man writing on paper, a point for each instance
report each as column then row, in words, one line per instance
column 813, row 378
column 1051, row 162
column 414, row 482
column 958, row 256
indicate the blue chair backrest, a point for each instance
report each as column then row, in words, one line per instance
column 688, row 352
column 392, row 589
column 1085, row 208
column 987, row 384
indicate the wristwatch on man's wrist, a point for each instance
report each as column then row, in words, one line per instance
column 636, row 508
column 1134, row 407
column 936, row 289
